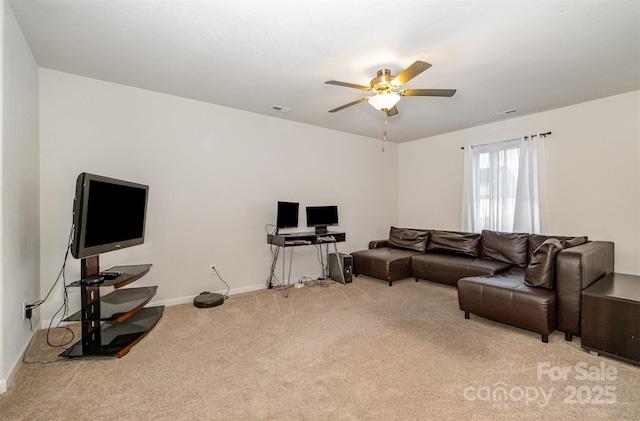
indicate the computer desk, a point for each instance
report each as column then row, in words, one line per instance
column 282, row 241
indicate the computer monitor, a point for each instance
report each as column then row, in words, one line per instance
column 287, row 215
column 322, row 216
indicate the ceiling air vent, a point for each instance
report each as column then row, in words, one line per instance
column 281, row 109
column 513, row 110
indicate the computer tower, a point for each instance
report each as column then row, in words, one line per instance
column 334, row 268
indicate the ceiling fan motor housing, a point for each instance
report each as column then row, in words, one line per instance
column 382, row 83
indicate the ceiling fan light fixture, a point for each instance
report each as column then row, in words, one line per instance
column 384, row 101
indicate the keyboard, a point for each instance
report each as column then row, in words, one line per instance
column 296, row 242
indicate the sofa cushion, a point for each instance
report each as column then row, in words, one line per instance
column 385, row 263
column 510, row 247
column 540, row 272
column 448, row 268
column 376, row 244
column 506, row 298
column 464, row 243
column 575, row 241
column 536, row 240
column 408, row 239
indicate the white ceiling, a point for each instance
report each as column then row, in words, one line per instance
column 250, row 55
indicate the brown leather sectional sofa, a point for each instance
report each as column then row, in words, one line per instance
column 530, row 281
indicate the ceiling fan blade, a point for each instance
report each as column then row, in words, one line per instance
column 410, row 72
column 392, row 111
column 349, row 85
column 427, row 92
column 349, row 104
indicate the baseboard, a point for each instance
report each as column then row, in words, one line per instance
column 44, row 324
column 13, row 369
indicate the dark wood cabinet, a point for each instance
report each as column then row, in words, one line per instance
column 611, row 317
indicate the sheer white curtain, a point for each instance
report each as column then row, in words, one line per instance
column 527, row 205
column 501, row 189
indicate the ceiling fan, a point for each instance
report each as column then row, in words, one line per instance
column 384, row 86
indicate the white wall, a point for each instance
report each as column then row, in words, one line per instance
column 593, row 167
column 20, row 195
column 215, row 176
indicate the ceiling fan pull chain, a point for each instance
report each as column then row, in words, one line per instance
column 384, row 136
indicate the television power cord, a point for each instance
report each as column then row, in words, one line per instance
column 64, row 308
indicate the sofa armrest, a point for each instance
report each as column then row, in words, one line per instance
column 577, row 268
column 376, row 244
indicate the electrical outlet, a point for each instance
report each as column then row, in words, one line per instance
column 212, row 268
column 24, row 310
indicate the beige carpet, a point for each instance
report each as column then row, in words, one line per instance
column 360, row 351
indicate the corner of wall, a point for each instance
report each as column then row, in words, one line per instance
column 3, row 382
column 19, row 192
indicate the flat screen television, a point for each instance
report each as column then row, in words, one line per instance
column 108, row 215
column 287, row 215
column 322, row 216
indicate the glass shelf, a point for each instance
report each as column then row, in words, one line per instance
column 129, row 273
column 116, row 339
column 119, row 304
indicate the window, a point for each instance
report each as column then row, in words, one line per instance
column 501, row 190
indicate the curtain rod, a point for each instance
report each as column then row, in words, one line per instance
column 509, row 140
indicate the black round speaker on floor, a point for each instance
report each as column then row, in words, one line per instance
column 208, row 299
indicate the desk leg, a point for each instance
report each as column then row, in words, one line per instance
column 285, row 292
column 274, row 261
column 324, row 264
column 335, row 248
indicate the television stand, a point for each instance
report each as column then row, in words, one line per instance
column 114, row 323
